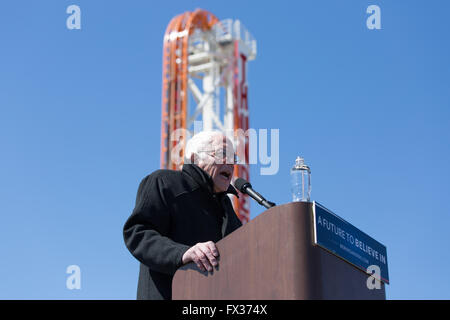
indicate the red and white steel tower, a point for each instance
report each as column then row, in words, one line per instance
column 205, row 82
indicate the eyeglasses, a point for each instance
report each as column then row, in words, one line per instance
column 221, row 155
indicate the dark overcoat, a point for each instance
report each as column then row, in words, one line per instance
column 174, row 210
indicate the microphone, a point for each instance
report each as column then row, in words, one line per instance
column 245, row 187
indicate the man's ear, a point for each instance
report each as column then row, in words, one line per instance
column 193, row 158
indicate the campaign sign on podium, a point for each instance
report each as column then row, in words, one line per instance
column 336, row 235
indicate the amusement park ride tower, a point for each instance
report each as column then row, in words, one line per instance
column 205, row 82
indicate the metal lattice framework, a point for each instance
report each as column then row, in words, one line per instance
column 204, row 81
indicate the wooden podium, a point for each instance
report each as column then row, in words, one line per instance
column 273, row 258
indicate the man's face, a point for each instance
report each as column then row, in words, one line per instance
column 219, row 167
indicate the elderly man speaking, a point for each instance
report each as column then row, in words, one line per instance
column 179, row 215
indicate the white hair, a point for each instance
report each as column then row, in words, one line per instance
column 202, row 141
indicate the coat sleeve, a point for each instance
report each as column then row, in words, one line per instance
column 145, row 232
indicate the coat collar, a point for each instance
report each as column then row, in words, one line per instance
column 204, row 180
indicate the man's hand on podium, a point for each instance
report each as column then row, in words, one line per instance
column 203, row 254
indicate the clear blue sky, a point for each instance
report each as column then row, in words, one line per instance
column 80, row 127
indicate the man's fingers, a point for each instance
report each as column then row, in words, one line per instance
column 203, row 259
column 213, row 248
column 204, row 255
column 198, row 262
column 208, row 253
